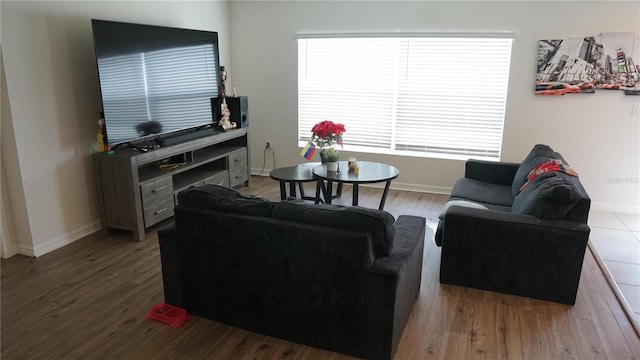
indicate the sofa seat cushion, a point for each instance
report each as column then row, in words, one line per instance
column 550, row 196
column 377, row 222
column 220, row 198
column 483, row 192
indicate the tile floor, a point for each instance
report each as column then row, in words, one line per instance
column 616, row 238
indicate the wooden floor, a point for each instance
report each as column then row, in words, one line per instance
column 89, row 299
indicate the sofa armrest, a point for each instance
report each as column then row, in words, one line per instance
column 501, row 173
column 513, row 253
column 395, row 281
column 409, row 232
column 167, row 239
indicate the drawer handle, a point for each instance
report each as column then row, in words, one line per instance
column 158, row 189
column 160, row 211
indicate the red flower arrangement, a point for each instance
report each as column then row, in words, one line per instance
column 327, row 134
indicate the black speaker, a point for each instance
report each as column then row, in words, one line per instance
column 238, row 106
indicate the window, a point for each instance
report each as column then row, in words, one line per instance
column 437, row 96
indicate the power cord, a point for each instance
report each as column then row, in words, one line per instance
column 267, row 147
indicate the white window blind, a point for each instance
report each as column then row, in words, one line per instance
column 443, row 96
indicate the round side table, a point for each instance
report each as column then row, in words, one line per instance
column 294, row 175
column 369, row 172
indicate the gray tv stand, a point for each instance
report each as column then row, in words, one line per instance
column 137, row 192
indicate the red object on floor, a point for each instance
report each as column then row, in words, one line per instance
column 172, row 315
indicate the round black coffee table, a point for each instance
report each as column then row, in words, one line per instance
column 368, row 172
column 294, row 175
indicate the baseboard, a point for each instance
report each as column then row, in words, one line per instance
column 260, row 172
column 61, row 240
column 623, row 209
column 394, row 184
column 10, row 251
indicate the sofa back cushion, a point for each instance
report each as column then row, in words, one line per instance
column 377, row 222
column 539, row 154
column 551, row 196
column 482, row 192
column 220, row 198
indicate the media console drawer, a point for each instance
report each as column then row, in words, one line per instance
column 237, row 177
column 159, row 211
column 238, row 159
column 238, row 167
column 156, row 190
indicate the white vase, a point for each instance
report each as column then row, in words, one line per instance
column 332, row 166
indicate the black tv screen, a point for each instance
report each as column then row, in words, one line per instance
column 154, row 80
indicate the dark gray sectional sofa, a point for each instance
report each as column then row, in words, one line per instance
column 517, row 228
column 339, row 278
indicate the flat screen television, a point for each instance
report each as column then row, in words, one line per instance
column 155, row 81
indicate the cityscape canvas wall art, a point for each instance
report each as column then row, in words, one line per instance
column 588, row 64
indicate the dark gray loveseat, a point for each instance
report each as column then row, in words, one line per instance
column 516, row 228
column 333, row 277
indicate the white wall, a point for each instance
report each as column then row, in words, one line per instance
column 51, row 100
column 594, row 132
column 8, row 159
column 54, row 105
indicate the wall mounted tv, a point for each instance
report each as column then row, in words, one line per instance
column 155, row 81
